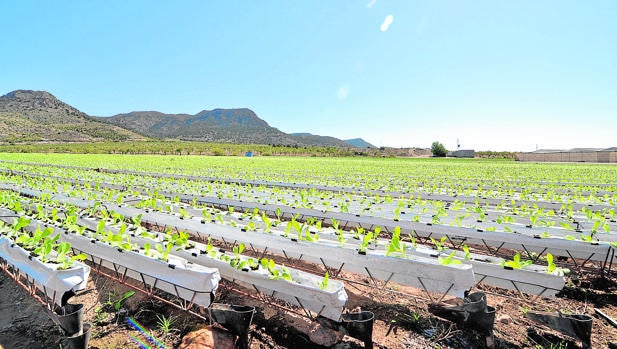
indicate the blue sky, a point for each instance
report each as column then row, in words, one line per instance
column 497, row 75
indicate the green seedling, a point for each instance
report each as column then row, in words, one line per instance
column 335, row 224
column 396, row 246
column 180, row 240
column 365, row 242
column 207, row 216
column 44, row 250
column 116, row 218
column 100, row 229
column 448, row 260
column 551, row 267
column 38, row 236
column 125, row 296
column 164, row 253
column 267, row 221
column 164, row 324
column 440, row 244
column 275, row 274
column 340, row 237
column 183, row 213
column 466, row 250
column 18, row 224
column 136, row 220
column 147, row 250
column 516, row 262
column 210, row 248
column 251, row 226
column 238, row 249
column 324, row 283
column 67, row 262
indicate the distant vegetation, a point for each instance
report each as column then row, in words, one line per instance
column 438, row 150
column 204, row 148
column 496, row 154
column 184, row 148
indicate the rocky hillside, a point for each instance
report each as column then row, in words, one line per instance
column 241, row 126
column 39, row 116
column 321, row 141
column 218, row 125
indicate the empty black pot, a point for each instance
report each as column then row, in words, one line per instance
column 236, row 319
column 360, row 326
column 80, row 341
column 71, row 318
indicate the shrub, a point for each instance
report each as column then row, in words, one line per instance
column 438, row 149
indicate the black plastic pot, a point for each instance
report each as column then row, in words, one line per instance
column 574, row 325
column 475, row 302
column 360, row 326
column 71, row 318
column 483, row 321
column 472, row 312
column 236, row 319
column 80, row 341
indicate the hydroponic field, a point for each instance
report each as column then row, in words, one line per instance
column 443, row 252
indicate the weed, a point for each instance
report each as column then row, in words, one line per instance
column 164, row 324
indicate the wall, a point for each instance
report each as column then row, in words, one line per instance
column 591, row 156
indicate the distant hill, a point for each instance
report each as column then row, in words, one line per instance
column 359, row 143
column 27, row 115
column 218, row 125
column 321, row 141
column 38, row 116
column 327, row 141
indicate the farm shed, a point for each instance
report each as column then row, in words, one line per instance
column 608, row 155
column 463, row 153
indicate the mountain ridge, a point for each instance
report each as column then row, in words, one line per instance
column 29, row 115
column 359, row 143
column 239, row 125
column 331, row 141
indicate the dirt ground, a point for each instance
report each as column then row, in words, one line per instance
column 401, row 321
column 24, row 323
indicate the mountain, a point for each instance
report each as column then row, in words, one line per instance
column 320, row 141
column 359, row 143
column 240, row 125
column 219, row 125
column 327, row 141
column 27, row 115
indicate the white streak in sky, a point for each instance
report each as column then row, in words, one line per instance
column 371, row 3
column 386, row 23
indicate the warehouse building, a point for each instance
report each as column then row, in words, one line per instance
column 608, row 155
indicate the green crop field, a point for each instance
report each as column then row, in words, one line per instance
column 440, row 227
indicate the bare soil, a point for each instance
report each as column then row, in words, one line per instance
column 403, row 319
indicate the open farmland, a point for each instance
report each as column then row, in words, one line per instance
column 322, row 236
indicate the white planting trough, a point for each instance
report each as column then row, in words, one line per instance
column 52, row 282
